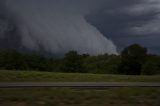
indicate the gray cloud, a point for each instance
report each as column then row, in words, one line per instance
column 153, row 25
column 123, row 21
column 127, row 22
column 58, row 25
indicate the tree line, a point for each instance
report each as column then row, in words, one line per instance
column 133, row 60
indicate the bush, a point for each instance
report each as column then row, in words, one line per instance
column 72, row 62
column 152, row 66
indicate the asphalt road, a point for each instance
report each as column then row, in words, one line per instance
column 78, row 84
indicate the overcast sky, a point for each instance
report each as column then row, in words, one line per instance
column 130, row 21
column 124, row 22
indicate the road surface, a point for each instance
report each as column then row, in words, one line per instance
column 78, row 84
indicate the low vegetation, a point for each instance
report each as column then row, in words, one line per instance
column 133, row 60
column 71, row 97
column 33, row 76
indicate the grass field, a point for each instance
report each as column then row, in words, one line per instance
column 28, row 76
column 128, row 96
column 71, row 97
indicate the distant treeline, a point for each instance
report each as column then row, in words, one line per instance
column 133, row 60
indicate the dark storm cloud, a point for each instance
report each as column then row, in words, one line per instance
column 123, row 21
column 127, row 22
column 58, row 26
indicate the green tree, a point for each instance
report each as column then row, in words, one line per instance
column 11, row 59
column 132, row 59
column 37, row 62
column 152, row 66
column 106, row 64
column 72, row 62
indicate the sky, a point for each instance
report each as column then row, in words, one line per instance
column 88, row 26
column 127, row 22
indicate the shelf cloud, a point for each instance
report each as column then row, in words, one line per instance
column 88, row 26
column 58, row 26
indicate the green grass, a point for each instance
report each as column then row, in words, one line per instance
column 132, row 96
column 71, row 97
column 28, row 76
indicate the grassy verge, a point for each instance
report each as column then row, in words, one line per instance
column 68, row 97
column 25, row 76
